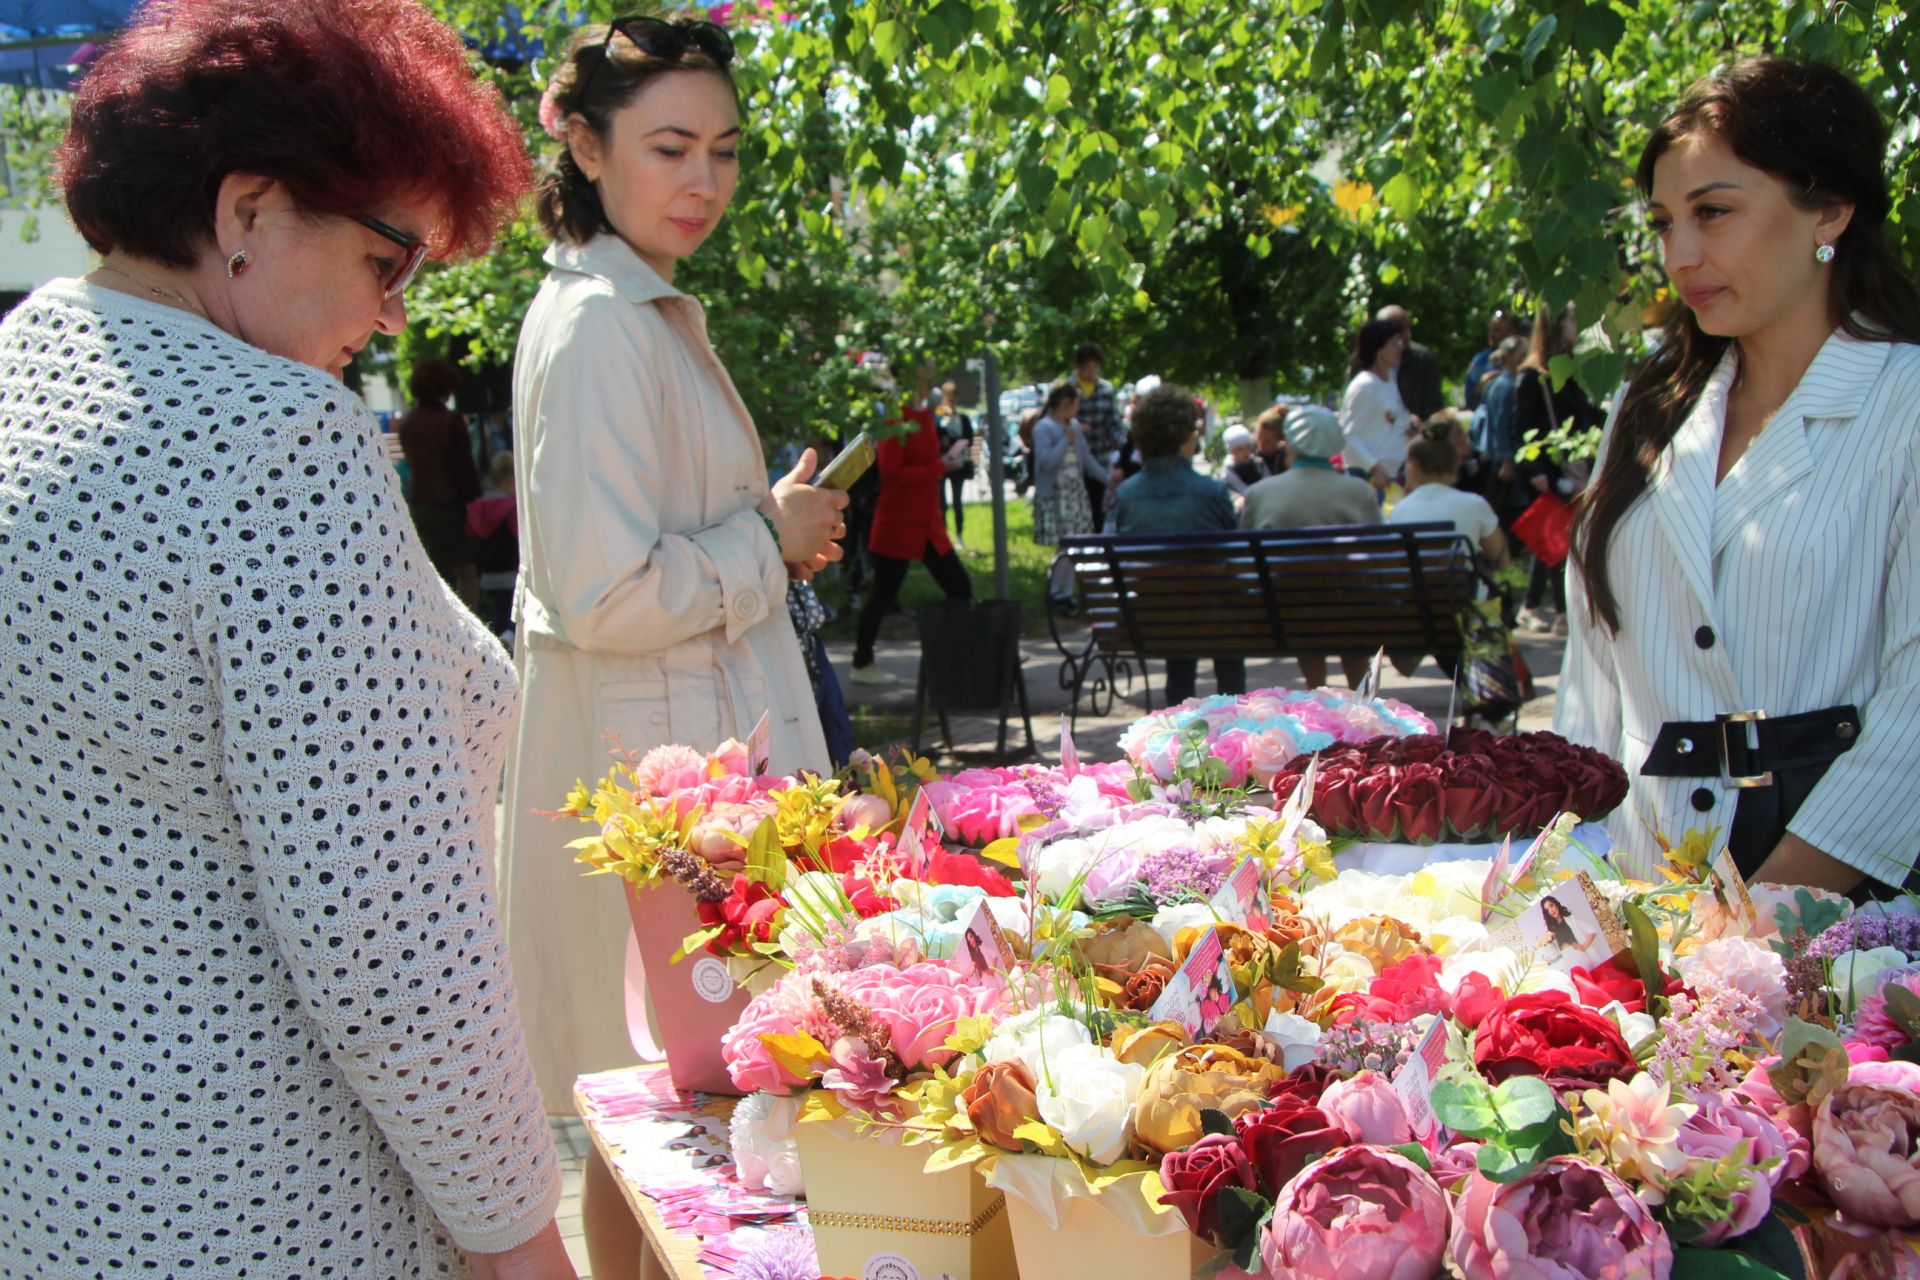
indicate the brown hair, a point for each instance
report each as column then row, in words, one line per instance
column 1164, row 420
column 595, row 79
column 1433, row 451
column 1819, row 133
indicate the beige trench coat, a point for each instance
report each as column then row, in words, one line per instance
column 651, row 609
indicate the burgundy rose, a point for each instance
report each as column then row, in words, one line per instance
column 1282, row 1140
column 1303, row 1085
column 1373, row 797
column 1196, row 1176
column 1334, row 806
column 1417, row 803
column 1548, row 1034
column 1422, row 748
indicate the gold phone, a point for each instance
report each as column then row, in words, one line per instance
column 849, row 466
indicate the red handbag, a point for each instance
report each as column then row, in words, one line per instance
column 1545, row 527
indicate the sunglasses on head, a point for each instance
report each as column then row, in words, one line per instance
column 668, row 41
column 402, row 274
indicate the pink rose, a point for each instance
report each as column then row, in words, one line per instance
column 787, row 1007
column 731, row 757
column 1365, row 1213
column 1866, row 1148
column 1369, row 1109
column 1722, row 1123
column 1564, row 1218
column 1886, row 1074
column 920, row 1006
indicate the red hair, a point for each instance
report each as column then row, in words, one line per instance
column 352, row 105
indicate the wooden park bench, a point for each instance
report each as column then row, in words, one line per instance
column 1259, row 594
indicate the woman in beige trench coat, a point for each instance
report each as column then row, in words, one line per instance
column 655, row 557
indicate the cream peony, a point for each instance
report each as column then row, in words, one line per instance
column 1036, row 1038
column 1087, row 1094
column 1744, row 965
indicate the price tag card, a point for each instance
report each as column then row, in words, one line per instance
column 760, row 745
column 1414, row 1081
column 1242, row 900
column 1200, row 994
column 913, row 833
column 1069, row 754
column 984, row 946
column 1730, row 890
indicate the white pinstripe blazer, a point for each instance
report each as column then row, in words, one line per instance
column 1805, row 563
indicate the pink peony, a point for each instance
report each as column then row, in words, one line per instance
column 1723, row 1121
column 730, row 758
column 788, row 1007
column 859, row 1078
column 665, row 770
column 1866, row 1148
column 1565, row 1218
column 1744, row 965
column 1872, row 1025
column 1368, row 1107
column 1887, row 1074
column 864, row 810
column 1365, row 1213
column 920, row 1006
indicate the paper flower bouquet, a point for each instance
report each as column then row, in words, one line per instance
column 1250, row 737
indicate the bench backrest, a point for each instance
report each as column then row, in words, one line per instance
column 1286, row 592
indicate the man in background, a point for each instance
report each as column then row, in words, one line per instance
column 1418, row 375
column 1100, row 413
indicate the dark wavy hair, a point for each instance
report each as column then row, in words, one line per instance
column 1164, row 420
column 595, row 80
column 350, row 104
column 1819, row 133
column 1373, row 335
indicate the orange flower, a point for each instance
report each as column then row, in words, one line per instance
column 998, row 1100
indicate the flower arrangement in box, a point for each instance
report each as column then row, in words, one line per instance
column 1237, row 740
column 976, row 807
column 1470, row 785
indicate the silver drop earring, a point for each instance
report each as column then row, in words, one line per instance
column 237, row 263
column 1824, row 253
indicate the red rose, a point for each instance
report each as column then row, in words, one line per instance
column 842, row 854
column 1283, row 1139
column 1475, row 998
column 746, row 915
column 1422, row 748
column 1195, row 1177
column 1548, row 1034
column 1616, row 981
column 1417, row 803
column 866, row 898
column 1334, row 807
column 1401, row 994
column 963, row 868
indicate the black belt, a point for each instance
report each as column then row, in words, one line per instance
column 1746, row 748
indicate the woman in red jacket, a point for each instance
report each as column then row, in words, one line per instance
column 907, row 527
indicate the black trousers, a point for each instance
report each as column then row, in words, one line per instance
column 956, row 484
column 888, row 575
column 1183, row 674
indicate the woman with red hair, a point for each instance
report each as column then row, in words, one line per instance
column 261, row 1021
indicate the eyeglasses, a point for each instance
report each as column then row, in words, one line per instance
column 669, row 41
column 402, row 275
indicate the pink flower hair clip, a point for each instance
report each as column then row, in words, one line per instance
column 550, row 118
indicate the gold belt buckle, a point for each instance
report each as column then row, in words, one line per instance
column 1742, row 719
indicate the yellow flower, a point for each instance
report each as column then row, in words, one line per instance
column 1200, row 1077
column 1352, row 198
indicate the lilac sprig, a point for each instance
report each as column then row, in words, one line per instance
column 1048, row 795
column 1863, row 931
column 1173, row 874
column 1698, row 1041
column 1363, row 1045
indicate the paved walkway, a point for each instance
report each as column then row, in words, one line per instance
column 1097, row 737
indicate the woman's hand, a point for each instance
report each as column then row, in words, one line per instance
column 1794, row 861
column 806, row 519
column 1378, row 477
column 1540, row 483
column 541, row 1258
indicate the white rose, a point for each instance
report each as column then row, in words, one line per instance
column 1035, row 1038
column 1087, row 1095
column 1057, row 865
column 1856, row 974
column 1169, row 921
column 1344, row 972
column 1456, row 934
column 1299, row 1039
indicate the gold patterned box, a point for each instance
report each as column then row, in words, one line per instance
column 878, row 1215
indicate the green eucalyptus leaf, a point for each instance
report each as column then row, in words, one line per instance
column 1525, row 1102
column 1466, row 1107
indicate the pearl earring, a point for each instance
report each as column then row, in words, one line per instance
column 1824, row 253
column 237, row 263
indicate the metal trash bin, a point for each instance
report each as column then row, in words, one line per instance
column 970, row 662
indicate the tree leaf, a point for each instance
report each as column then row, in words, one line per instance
column 1536, row 41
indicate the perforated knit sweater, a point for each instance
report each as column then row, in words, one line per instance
column 256, row 1017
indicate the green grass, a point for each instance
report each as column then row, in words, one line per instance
column 1026, row 575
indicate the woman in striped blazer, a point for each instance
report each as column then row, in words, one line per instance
column 1746, row 606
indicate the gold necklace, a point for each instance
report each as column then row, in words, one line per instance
column 156, row 290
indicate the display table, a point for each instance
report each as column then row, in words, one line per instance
column 668, row 1151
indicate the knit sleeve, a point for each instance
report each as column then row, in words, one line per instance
column 346, row 680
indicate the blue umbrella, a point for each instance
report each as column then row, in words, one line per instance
column 44, row 42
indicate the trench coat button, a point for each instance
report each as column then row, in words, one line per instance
column 1702, row 799
column 746, row 604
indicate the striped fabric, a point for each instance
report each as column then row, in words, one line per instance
column 1792, row 586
